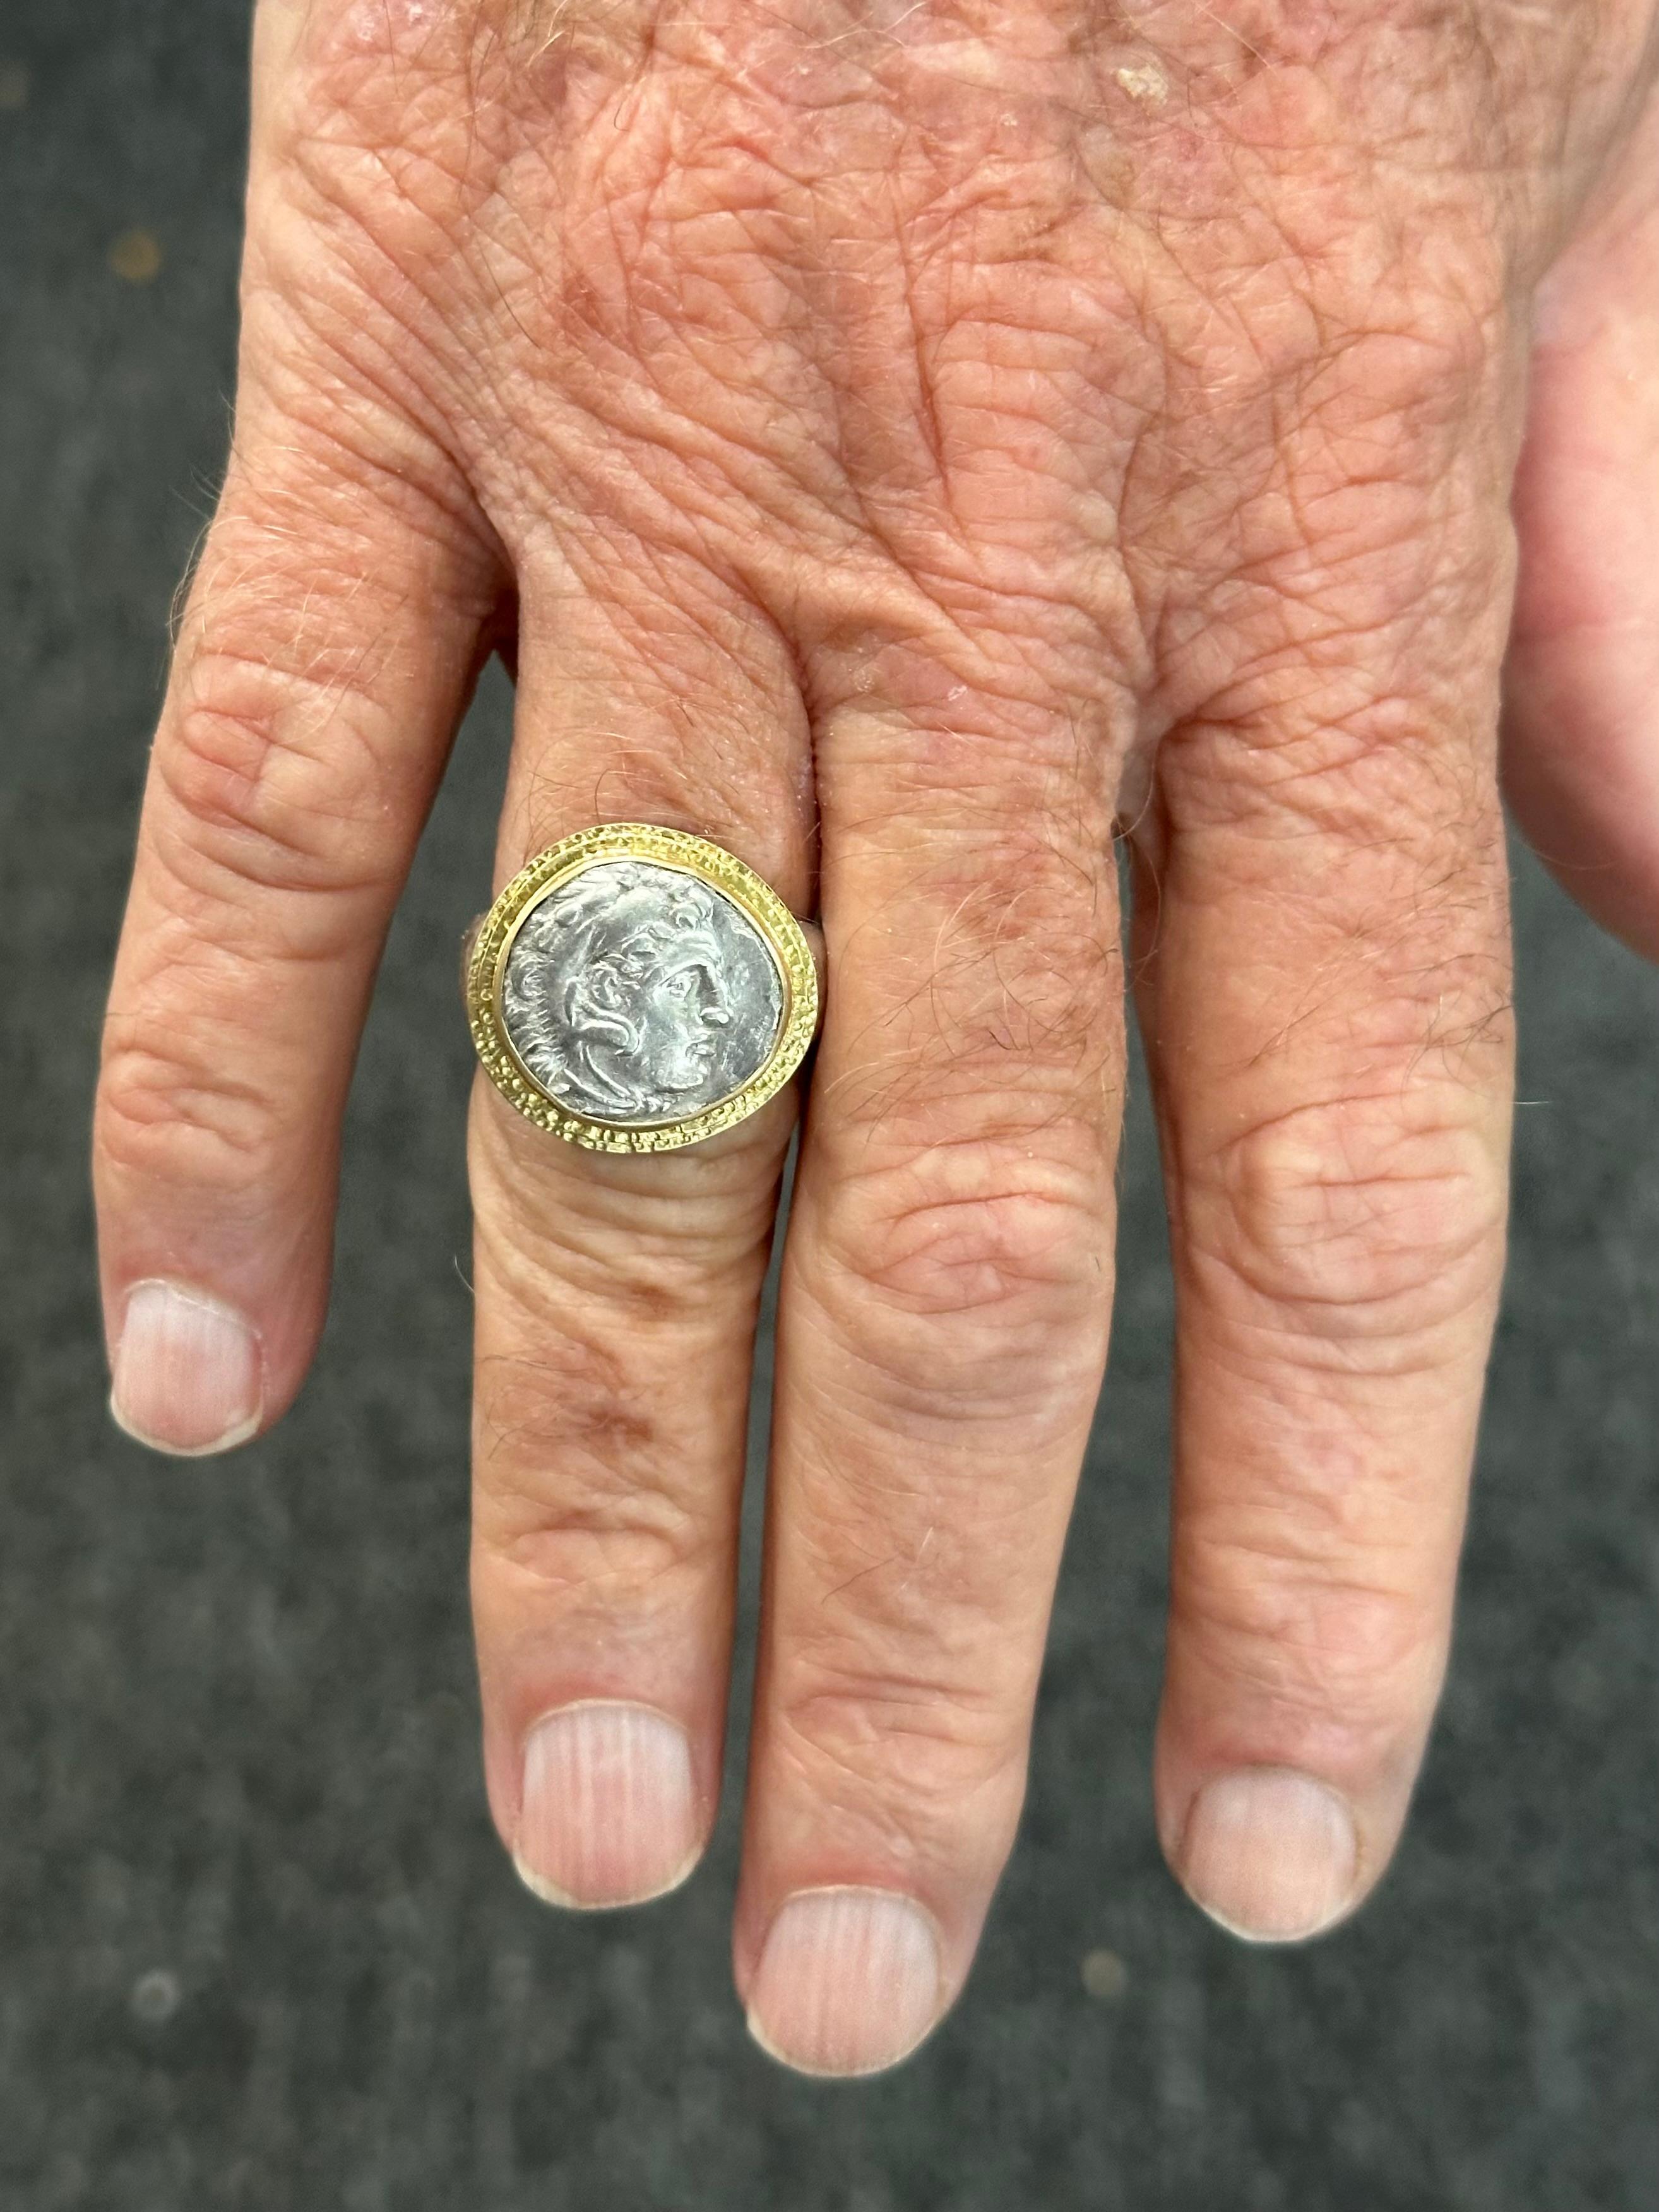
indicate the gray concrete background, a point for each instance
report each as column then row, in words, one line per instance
column 257, row 1948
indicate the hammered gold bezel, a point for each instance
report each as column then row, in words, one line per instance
column 779, row 930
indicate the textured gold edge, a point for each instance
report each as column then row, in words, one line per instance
column 641, row 840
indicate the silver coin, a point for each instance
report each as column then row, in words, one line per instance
column 638, row 994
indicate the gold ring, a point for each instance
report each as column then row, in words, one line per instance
column 634, row 989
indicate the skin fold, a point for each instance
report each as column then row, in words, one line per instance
column 916, row 447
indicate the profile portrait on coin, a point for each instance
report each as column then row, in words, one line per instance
column 634, row 994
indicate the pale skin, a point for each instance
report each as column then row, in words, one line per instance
column 911, row 446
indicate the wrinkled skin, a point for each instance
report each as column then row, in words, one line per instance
column 911, row 444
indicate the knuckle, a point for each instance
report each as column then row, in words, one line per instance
column 1322, row 1647
column 918, row 1744
column 977, row 1226
column 1301, row 757
column 1364, row 1217
column 575, row 1488
column 906, row 1680
column 276, row 779
column 170, row 1106
column 591, row 1544
column 1006, row 1242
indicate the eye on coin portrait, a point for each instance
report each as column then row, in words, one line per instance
column 636, row 994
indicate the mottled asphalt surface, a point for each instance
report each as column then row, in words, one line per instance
column 257, row 1947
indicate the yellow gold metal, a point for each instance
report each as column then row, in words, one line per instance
column 486, row 969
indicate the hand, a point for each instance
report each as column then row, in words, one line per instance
column 905, row 447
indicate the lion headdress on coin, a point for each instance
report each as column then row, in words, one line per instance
column 614, row 993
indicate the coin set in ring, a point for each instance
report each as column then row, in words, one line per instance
column 637, row 989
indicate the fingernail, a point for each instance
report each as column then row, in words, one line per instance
column 608, row 1814
column 848, row 1982
column 1270, row 1853
column 188, row 1372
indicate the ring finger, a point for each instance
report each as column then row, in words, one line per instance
column 617, row 1293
